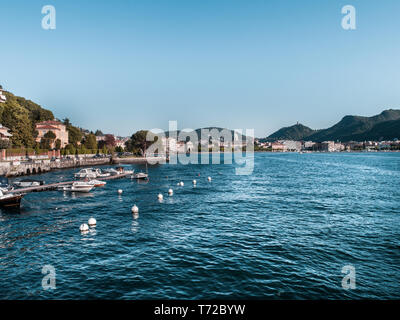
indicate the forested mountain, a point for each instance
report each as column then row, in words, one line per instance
column 296, row 132
column 384, row 126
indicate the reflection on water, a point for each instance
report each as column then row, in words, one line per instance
column 284, row 232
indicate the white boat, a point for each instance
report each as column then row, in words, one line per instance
column 140, row 175
column 101, row 174
column 86, row 173
column 97, row 183
column 122, row 170
column 10, row 200
column 28, row 183
column 112, row 172
column 78, row 186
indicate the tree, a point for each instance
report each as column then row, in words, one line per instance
column 70, row 149
column 138, row 143
column 66, row 122
column 4, row 144
column 90, row 141
column 36, row 112
column 47, row 140
column 119, row 149
column 109, row 140
column 82, row 149
column 17, row 119
column 99, row 133
column 58, row 144
column 74, row 135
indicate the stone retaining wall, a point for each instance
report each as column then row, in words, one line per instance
column 17, row 168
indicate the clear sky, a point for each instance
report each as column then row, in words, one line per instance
column 121, row 66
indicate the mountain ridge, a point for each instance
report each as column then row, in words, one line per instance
column 383, row 126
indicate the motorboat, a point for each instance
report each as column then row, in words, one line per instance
column 78, row 186
column 10, row 200
column 101, row 174
column 5, row 184
column 140, row 175
column 28, row 183
column 86, row 173
column 112, row 172
column 122, row 170
column 97, row 183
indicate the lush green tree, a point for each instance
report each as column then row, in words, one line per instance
column 119, row 149
column 138, row 143
column 58, row 144
column 74, row 135
column 47, row 140
column 36, row 112
column 66, row 122
column 70, row 149
column 16, row 118
column 37, row 148
column 82, row 149
column 90, row 141
column 4, row 144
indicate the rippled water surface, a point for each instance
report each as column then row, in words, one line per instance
column 284, row 232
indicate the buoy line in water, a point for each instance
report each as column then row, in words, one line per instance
column 92, row 222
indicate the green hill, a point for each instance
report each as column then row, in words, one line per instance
column 357, row 128
column 20, row 116
column 387, row 130
column 384, row 126
column 296, row 132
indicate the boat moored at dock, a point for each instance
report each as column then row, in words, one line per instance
column 140, row 176
column 77, row 186
column 10, row 200
column 96, row 183
column 5, row 185
column 86, row 173
column 28, row 183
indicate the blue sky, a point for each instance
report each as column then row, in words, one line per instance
column 121, row 66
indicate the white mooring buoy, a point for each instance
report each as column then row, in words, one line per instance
column 181, row 184
column 170, row 192
column 194, row 182
column 92, row 222
column 160, row 196
column 135, row 209
column 209, row 179
column 84, row 227
column 120, row 191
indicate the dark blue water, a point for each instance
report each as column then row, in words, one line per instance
column 284, row 232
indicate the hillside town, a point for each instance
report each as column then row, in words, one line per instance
column 326, row 146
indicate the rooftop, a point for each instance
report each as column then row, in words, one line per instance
column 45, row 126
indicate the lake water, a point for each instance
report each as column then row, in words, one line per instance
column 284, row 232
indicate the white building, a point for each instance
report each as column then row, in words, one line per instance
column 292, row 145
column 119, row 141
column 3, row 98
column 4, row 134
column 172, row 145
column 331, row 146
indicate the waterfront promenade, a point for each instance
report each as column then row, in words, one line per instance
column 20, row 168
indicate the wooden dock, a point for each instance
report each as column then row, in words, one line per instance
column 54, row 186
